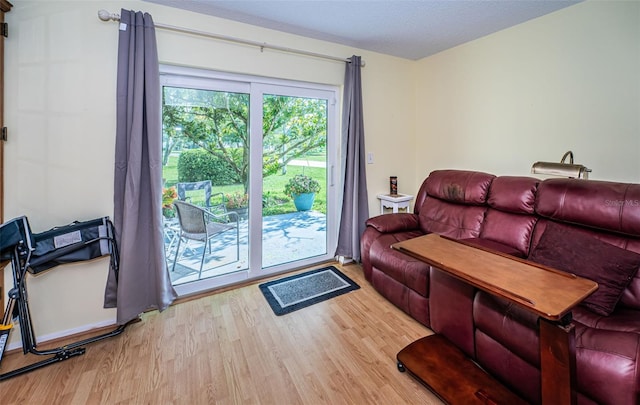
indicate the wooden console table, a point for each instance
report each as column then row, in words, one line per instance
column 546, row 292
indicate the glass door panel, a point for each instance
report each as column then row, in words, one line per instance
column 205, row 164
column 294, row 196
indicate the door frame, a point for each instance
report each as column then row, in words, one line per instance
column 256, row 86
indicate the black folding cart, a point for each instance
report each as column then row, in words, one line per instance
column 35, row 253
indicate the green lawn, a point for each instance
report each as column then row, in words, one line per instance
column 274, row 199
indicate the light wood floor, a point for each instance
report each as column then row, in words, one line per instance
column 229, row 348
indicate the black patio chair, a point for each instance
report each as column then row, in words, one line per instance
column 200, row 225
column 213, row 202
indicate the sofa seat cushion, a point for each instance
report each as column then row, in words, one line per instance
column 406, row 270
column 567, row 248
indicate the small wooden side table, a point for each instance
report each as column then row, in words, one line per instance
column 395, row 202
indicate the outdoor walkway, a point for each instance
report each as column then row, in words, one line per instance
column 286, row 238
column 308, row 163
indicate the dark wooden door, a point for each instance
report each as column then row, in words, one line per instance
column 5, row 6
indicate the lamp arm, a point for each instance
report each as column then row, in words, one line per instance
column 564, row 157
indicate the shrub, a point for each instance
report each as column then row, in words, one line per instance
column 236, row 200
column 169, row 195
column 199, row 165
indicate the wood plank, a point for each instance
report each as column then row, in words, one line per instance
column 547, row 292
column 229, row 347
column 5, row 6
column 557, row 362
column 447, row 371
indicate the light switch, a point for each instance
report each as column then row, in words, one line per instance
column 370, row 158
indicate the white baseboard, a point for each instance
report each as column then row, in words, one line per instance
column 60, row 334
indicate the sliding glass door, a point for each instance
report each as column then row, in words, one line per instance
column 255, row 157
column 294, row 156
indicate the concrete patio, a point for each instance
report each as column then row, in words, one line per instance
column 285, row 238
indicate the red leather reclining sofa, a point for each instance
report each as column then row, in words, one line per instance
column 593, row 225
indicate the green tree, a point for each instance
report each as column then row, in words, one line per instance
column 218, row 122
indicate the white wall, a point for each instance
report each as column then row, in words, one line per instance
column 60, row 76
column 566, row 81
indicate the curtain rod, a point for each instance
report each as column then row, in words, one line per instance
column 104, row 15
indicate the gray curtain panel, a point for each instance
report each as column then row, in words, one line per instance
column 355, row 200
column 143, row 282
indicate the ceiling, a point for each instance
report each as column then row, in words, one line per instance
column 411, row 29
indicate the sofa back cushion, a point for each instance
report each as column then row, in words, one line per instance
column 513, row 194
column 459, row 186
column 607, row 211
column 453, row 220
column 510, row 219
column 454, row 203
column 608, row 206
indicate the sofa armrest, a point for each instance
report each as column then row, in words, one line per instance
column 390, row 223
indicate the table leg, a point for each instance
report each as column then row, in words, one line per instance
column 557, row 361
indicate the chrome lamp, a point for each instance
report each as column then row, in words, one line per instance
column 562, row 169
